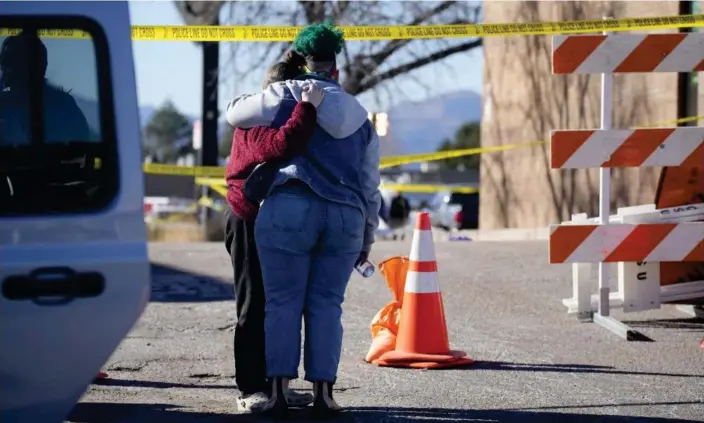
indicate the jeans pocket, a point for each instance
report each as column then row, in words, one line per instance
column 352, row 221
column 289, row 213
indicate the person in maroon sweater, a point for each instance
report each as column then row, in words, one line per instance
column 251, row 147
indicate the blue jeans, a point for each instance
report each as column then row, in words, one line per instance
column 307, row 248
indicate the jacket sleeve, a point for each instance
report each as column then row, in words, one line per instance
column 268, row 144
column 250, row 110
column 370, row 182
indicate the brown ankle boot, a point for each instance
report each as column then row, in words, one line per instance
column 324, row 406
column 277, row 407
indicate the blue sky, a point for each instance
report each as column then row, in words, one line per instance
column 80, row 80
column 172, row 70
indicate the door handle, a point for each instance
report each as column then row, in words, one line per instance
column 53, row 285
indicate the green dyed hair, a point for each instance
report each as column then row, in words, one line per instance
column 319, row 41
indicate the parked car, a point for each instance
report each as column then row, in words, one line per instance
column 454, row 210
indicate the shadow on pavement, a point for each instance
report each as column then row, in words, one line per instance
column 101, row 412
column 438, row 415
column 164, row 413
column 154, row 384
column 625, row 404
column 692, row 324
column 133, row 383
column 566, row 368
column 173, row 285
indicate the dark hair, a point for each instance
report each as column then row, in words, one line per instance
column 290, row 67
column 294, row 59
column 15, row 51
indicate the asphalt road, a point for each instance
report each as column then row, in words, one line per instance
column 503, row 304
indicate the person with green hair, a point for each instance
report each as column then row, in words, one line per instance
column 314, row 53
column 319, row 45
column 319, row 211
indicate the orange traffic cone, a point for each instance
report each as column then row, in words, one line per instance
column 422, row 340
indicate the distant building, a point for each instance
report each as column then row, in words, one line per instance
column 523, row 101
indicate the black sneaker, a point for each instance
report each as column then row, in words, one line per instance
column 324, row 406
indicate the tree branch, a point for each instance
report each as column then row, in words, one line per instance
column 394, row 45
column 199, row 12
column 314, row 10
column 363, row 64
column 339, row 9
column 373, row 80
column 357, row 71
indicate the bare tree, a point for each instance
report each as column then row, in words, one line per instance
column 366, row 65
column 572, row 102
column 519, row 187
column 199, row 12
column 494, row 170
column 555, row 102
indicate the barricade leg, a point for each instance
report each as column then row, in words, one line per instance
column 603, row 318
column 581, row 273
column 617, row 327
column 603, row 315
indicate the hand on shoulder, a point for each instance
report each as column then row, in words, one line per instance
column 312, row 94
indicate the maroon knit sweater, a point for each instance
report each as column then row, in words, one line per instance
column 251, row 147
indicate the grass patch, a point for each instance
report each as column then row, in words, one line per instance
column 186, row 228
column 175, row 232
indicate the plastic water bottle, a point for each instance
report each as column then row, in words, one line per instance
column 365, row 268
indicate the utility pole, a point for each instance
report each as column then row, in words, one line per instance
column 687, row 99
column 210, row 115
column 696, row 9
column 206, row 13
column 687, row 83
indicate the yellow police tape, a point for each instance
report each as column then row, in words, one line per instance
column 197, row 171
column 388, row 32
column 429, row 188
column 385, row 162
column 220, row 188
column 671, row 121
column 392, row 161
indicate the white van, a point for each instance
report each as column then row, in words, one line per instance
column 74, row 269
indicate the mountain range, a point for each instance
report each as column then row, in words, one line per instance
column 420, row 127
column 414, row 127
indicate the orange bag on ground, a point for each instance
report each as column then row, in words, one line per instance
column 384, row 326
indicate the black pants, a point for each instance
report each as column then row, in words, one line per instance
column 250, row 360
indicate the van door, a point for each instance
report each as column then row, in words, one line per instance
column 74, row 270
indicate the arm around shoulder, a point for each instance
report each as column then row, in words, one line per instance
column 250, row 110
column 269, row 143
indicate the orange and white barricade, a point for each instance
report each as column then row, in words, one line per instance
column 637, row 238
column 638, row 287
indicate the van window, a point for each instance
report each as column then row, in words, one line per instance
column 57, row 135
